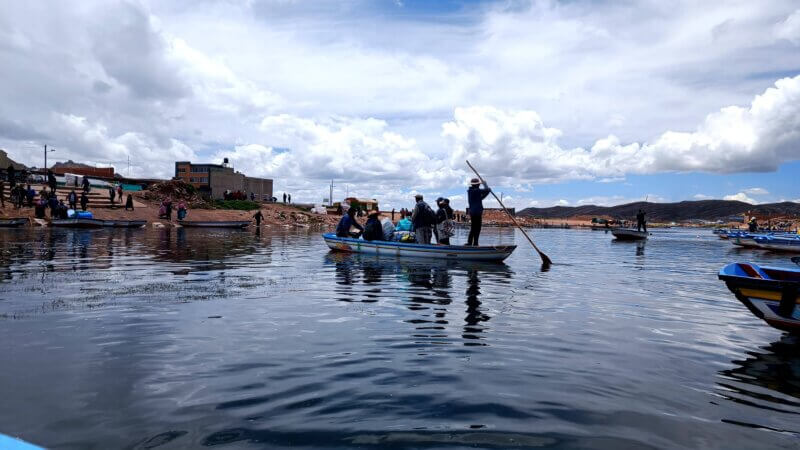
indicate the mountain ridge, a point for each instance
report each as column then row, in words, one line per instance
column 669, row 212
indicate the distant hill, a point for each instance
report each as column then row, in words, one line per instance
column 668, row 212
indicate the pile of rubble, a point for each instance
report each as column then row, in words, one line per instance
column 176, row 190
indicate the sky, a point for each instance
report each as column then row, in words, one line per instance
column 555, row 102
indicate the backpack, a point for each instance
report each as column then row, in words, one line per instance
column 428, row 216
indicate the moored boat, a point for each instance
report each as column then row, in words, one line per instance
column 495, row 253
column 12, row 222
column 124, row 223
column 627, row 234
column 77, row 223
column 214, row 224
column 778, row 244
column 770, row 293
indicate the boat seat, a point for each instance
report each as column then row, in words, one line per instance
column 753, row 271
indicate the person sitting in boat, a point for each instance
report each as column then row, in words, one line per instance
column 388, row 229
column 373, row 230
column 52, row 202
column 62, row 210
column 347, row 221
column 640, row 222
column 404, row 224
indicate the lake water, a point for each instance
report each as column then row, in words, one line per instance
column 188, row 338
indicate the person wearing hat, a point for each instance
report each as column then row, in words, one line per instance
column 752, row 226
column 475, row 196
column 423, row 219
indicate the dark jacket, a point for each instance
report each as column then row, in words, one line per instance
column 444, row 213
column 343, row 229
column 475, row 195
column 420, row 217
column 373, row 230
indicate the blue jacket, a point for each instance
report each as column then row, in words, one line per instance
column 343, row 229
column 475, row 196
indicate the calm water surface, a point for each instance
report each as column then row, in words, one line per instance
column 189, row 338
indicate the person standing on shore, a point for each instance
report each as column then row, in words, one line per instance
column 84, row 200
column 51, row 180
column 258, row 218
column 12, row 176
column 111, row 195
column 290, row 198
column 72, row 199
column 85, row 183
column 30, row 193
column 284, row 198
column 475, row 196
column 129, row 203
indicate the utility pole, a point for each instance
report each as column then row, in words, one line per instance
column 330, row 199
column 129, row 166
column 45, row 157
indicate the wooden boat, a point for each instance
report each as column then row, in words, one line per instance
column 627, row 234
column 389, row 248
column 77, row 223
column 214, row 224
column 770, row 293
column 13, row 222
column 124, row 223
column 778, row 244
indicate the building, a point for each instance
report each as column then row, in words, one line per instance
column 5, row 161
column 366, row 204
column 214, row 179
column 60, row 168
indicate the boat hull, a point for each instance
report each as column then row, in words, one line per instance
column 77, row 223
column 402, row 249
column 778, row 244
column 124, row 223
column 13, row 223
column 222, row 224
column 771, row 294
column 629, row 235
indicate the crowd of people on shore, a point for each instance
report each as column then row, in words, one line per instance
column 421, row 224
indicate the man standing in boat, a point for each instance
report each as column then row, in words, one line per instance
column 423, row 219
column 640, row 222
column 475, row 196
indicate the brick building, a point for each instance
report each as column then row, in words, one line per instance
column 214, row 179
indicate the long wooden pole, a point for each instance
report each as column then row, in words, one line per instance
column 545, row 259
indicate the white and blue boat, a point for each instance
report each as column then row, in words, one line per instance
column 495, row 253
column 778, row 243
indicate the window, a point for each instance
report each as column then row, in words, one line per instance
column 181, row 169
column 199, row 169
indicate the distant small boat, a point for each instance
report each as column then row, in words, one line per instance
column 77, row 223
column 494, row 253
column 124, row 223
column 627, row 234
column 214, row 224
column 770, row 293
column 13, row 222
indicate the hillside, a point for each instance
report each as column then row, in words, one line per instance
column 668, row 212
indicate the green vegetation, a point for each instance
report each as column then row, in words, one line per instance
column 240, row 205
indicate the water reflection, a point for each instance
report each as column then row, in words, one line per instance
column 426, row 287
column 768, row 378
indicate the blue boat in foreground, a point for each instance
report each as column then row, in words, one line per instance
column 770, row 293
column 495, row 253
